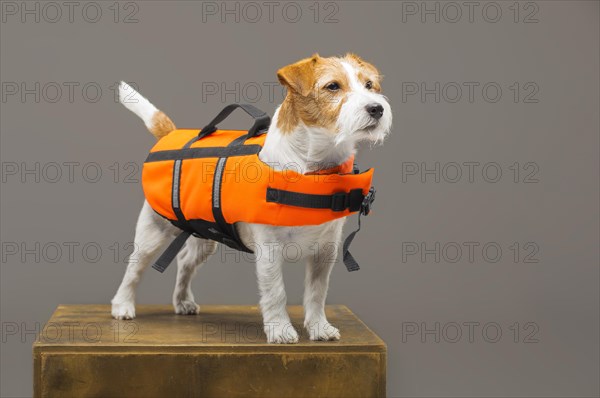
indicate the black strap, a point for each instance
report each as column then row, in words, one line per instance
column 240, row 141
column 365, row 208
column 339, row 201
column 261, row 120
column 227, row 233
column 349, row 261
column 230, row 236
column 210, row 152
column 169, row 254
column 353, row 200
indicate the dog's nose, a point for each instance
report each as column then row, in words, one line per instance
column 375, row 110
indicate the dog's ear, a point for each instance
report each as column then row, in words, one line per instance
column 299, row 77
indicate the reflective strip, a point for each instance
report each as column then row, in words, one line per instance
column 217, row 183
column 176, row 177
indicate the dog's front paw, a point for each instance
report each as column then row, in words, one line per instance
column 125, row 310
column 323, row 331
column 186, row 307
column 281, row 333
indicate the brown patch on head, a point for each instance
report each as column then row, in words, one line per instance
column 308, row 98
column 317, row 89
column 366, row 71
column 161, row 125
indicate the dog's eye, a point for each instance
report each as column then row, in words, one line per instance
column 333, row 86
column 369, row 85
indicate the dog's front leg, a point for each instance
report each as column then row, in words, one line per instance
column 277, row 324
column 316, row 283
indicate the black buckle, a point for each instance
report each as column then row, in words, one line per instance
column 355, row 198
column 367, row 203
column 339, row 201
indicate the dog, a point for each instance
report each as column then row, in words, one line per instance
column 332, row 104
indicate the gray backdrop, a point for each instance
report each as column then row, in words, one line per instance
column 480, row 262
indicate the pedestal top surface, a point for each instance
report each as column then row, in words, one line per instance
column 216, row 328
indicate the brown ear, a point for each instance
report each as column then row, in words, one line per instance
column 300, row 76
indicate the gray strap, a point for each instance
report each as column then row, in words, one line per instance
column 349, row 261
column 169, row 254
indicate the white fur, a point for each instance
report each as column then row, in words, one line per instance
column 136, row 103
column 354, row 122
column 304, row 149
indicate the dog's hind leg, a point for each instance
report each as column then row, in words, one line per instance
column 193, row 254
column 152, row 234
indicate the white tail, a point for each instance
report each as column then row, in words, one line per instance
column 156, row 121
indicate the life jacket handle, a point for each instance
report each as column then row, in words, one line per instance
column 262, row 121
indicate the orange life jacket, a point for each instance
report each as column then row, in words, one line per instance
column 206, row 181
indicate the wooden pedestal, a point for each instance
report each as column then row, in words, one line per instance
column 222, row 352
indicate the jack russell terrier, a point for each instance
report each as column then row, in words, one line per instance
column 331, row 105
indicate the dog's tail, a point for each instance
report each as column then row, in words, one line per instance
column 155, row 120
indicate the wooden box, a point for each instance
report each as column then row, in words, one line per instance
column 222, row 352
